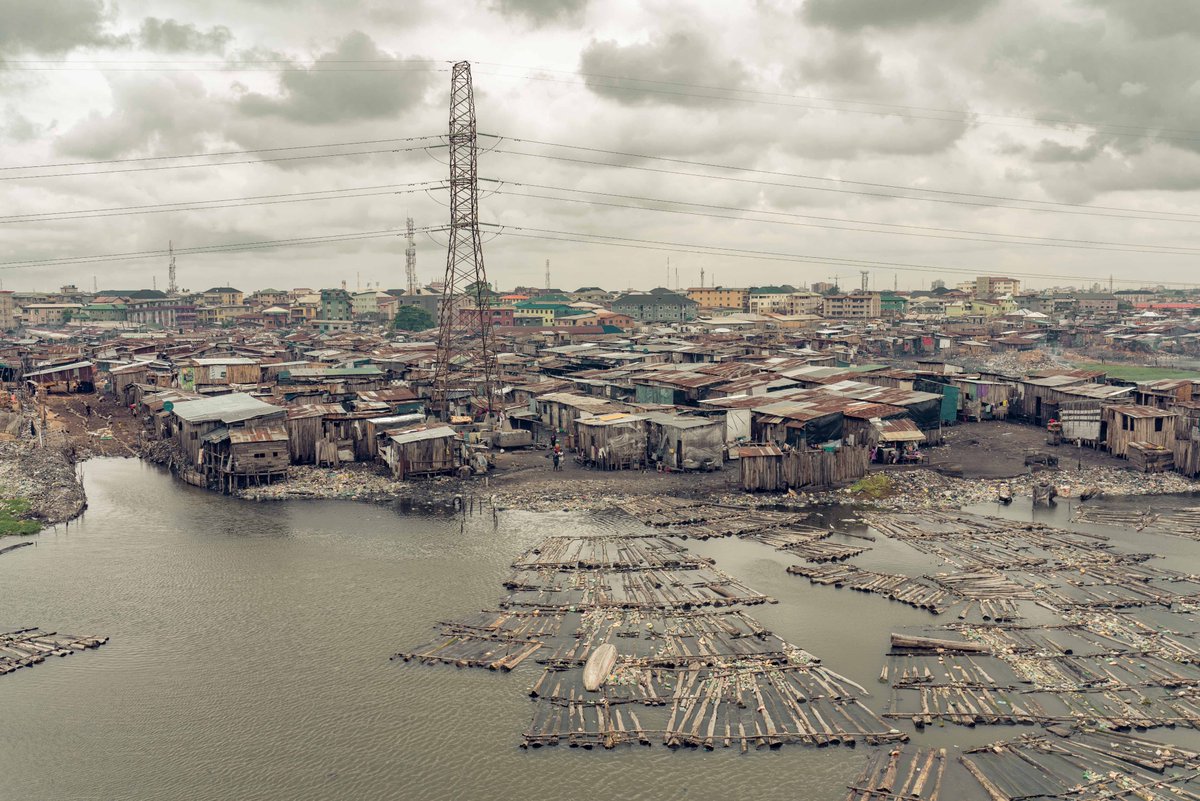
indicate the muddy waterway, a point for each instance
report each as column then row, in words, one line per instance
column 250, row 644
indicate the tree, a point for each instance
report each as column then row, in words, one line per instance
column 412, row 318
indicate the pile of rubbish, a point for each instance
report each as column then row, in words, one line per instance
column 1022, row 362
column 926, row 489
column 45, row 477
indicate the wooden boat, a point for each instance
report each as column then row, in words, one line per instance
column 598, row 666
column 1004, row 494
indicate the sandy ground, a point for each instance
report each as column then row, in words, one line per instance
column 110, row 430
column 997, row 449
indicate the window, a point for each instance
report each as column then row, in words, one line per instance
column 1158, row 424
column 192, row 435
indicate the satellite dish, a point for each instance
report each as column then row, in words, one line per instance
column 168, row 406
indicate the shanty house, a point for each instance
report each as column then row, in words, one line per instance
column 614, row 441
column 422, row 450
column 244, row 455
column 197, row 418
column 684, row 443
column 219, row 371
column 73, row 377
column 1127, row 424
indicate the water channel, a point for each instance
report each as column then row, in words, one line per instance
column 249, row 655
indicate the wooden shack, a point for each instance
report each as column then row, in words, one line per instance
column 1186, row 443
column 245, row 455
column 72, row 377
column 761, row 468
column 306, row 428
column 423, row 450
column 220, row 371
column 1147, row 457
column 1125, row 424
column 614, row 441
column 194, row 419
column 684, row 443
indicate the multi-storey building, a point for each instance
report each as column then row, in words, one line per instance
column 8, row 311
column 719, row 298
column 656, row 306
column 854, row 306
column 992, row 286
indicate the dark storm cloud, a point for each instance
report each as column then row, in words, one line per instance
column 324, row 95
column 169, row 36
column 542, row 11
column 677, row 58
column 855, row 14
column 53, row 26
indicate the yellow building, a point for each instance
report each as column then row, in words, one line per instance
column 222, row 296
column 718, row 297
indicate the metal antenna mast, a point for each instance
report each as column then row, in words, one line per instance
column 547, row 273
column 464, row 334
column 410, row 259
column 172, row 288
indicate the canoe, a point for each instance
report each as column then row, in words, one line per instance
column 599, row 664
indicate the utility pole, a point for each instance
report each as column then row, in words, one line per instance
column 668, row 284
column 464, row 335
column 410, row 259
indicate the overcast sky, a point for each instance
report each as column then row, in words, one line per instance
column 885, row 132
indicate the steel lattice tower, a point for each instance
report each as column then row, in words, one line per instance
column 464, row 337
column 172, row 288
column 410, row 259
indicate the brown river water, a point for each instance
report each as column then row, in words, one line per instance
column 249, row 655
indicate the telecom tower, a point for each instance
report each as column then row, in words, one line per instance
column 866, row 279
column 172, row 288
column 459, row 334
column 410, row 259
column 547, row 273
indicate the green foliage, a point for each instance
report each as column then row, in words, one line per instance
column 1135, row 372
column 11, row 523
column 874, row 486
column 412, row 318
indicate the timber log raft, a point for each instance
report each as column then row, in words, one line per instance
column 28, row 647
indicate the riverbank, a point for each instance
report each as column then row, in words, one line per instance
column 40, row 483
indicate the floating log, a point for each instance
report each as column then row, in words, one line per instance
column 911, row 642
column 598, row 666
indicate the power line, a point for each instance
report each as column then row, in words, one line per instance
column 689, row 247
column 223, row 203
column 662, row 171
column 922, row 231
column 217, row 153
column 783, row 174
column 218, row 248
column 216, row 164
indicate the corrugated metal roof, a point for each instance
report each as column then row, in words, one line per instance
column 422, row 433
column 269, row 433
column 59, row 368
column 751, row 451
column 232, row 408
column 1131, row 410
